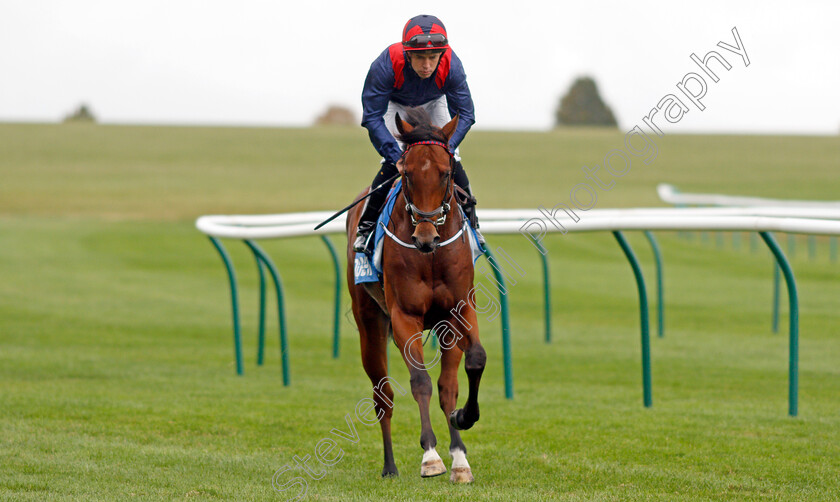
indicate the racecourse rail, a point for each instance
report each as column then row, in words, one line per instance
column 810, row 220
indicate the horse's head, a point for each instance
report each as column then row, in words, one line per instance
column 427, row 175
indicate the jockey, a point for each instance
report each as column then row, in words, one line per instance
column 421, row 71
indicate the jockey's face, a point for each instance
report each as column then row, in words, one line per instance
column 424, row 63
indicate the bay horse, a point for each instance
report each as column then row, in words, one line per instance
column 426, row 283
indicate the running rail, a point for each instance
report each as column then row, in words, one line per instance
column 670, row 194
column 768, row 207
column 764, row 220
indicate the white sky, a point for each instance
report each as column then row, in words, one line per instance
column 254, row 62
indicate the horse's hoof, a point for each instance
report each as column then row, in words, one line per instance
column 432, row 464
column 432, row 468
column 461, row 475
column 453, row 418
column 456, row 418
column 390, row 473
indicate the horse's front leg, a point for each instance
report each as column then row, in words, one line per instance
column 408, row 333
column 475, row 359
column 448, row 392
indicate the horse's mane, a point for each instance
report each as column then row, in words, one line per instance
column 424, row 130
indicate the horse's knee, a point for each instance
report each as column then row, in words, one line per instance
column 384, row 403
column 421, row 384
column 475, row 359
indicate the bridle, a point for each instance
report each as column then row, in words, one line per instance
column 438, row 216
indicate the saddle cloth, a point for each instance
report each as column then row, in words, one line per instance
column 368, row 267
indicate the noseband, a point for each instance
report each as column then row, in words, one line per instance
column 438, row 216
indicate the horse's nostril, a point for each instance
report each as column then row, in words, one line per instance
column 414, row 239
column 436, row 239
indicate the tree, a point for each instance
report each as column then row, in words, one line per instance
column 583, row 106
column 82, row 114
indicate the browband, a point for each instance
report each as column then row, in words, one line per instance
column 429, row 142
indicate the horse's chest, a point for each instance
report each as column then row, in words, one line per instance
column 438, row 288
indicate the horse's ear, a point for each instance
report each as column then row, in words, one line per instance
column 449, row 129
column 402, row 126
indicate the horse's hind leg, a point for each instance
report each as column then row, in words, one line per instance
column 373, row 331
column 448, row 392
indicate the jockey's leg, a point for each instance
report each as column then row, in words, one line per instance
column 460, row 178
column 439, row 110
column 373, row 206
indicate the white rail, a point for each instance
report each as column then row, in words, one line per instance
column 501, row 221
column 671, row 195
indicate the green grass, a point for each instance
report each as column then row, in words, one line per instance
column 116, row 363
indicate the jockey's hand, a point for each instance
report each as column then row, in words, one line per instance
column 400, row 165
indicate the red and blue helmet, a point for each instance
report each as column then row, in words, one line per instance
column 424, row 33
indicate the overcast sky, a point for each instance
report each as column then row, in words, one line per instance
column 282, row 62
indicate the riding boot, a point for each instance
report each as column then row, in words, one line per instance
column 365, row 228
column 469, row 210
column 460, row 177
column 373, row 206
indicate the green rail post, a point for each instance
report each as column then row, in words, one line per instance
column 832, row 243
column 234, row 299
column 506, row 356
column 547, row 296
column 660, row 296
column 791, row 245
column 261, row 336
column 776, row 295
column 337, row 303
column 736, row 241
column 719, row 239
column 281, row 309
column 753, row 242
column 793, row 344
column 643, row 311
column 812, row 247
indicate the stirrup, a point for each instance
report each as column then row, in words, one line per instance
column 480, row 237
column 469, row 211
column 360, row 244
column 363, row 236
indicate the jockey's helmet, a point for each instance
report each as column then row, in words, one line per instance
column 424, row 33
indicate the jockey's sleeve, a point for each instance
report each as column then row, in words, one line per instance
column 379, row 85
column 459, row 100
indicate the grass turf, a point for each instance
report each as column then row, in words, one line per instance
column 116, row 364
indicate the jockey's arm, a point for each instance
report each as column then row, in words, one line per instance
column 459, row 100
column 375, row 96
